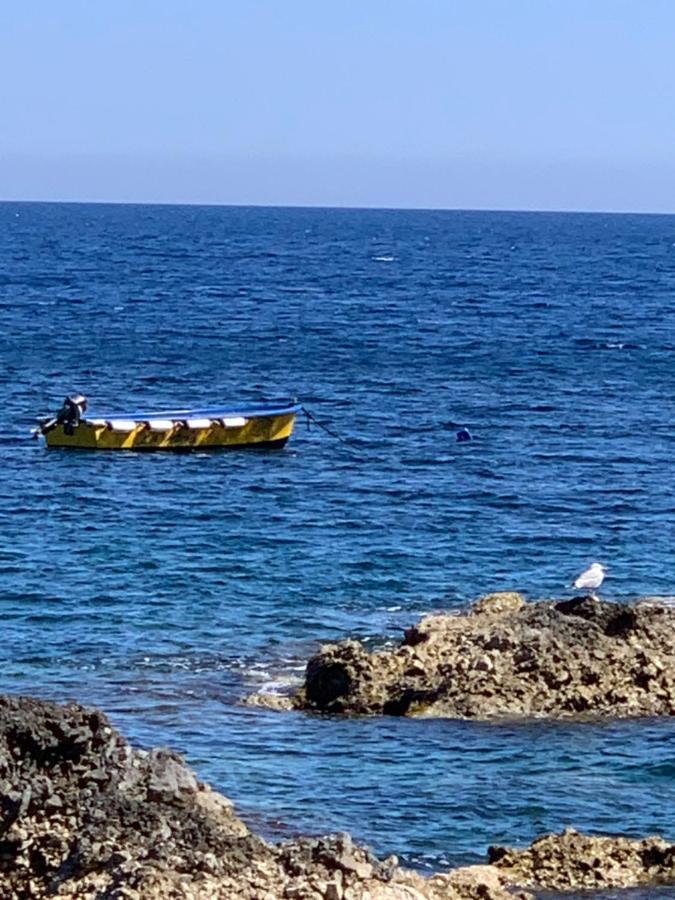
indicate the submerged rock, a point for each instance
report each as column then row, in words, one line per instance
column 559, row 659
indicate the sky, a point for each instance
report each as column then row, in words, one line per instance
column 471, row 104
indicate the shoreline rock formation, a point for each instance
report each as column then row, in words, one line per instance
column 587, row 862
column 580, row 658
column 84, row 816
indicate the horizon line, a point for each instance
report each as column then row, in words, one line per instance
column 346, row 208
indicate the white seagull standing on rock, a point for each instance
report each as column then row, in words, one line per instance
column 592, row 578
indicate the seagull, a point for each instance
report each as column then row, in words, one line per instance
column 592, row 578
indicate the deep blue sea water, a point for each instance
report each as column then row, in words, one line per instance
column 165, row 588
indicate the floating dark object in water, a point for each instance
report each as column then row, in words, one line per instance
column 463, row 435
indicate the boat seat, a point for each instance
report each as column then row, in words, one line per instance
column 160, row 424
column 198, row 424
column 96, row 423
column 232, row 422
column 123, row 425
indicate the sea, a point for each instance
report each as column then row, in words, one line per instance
column 166, row 588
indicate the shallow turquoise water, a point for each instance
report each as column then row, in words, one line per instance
column 165, row 588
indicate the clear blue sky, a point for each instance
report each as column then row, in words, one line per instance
column 520, row 104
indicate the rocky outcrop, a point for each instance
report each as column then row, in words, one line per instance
column 505, row 657
column 584, row 862
column 84, row 816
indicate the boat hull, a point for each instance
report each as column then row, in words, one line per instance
column 257, row 432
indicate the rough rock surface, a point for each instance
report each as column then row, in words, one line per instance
column 572, row 658
column 577, row 861
column 84, row 816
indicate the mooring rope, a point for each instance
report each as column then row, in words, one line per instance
column 310, row 417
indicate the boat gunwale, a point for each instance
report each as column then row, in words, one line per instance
column 250, row 411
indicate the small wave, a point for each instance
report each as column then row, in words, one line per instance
column 593, row 344
column 659, row 771
column 195, row 664
column 667, row 600
column 384, row 258
column 282, row 685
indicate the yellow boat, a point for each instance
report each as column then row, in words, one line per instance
column 257, row 425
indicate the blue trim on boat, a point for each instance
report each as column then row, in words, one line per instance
column 247, row 410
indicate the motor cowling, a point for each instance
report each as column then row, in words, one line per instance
column 69, row 416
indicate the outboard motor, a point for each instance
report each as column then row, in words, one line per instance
column 71, row 412
column 68, row 416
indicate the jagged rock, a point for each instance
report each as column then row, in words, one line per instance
column 500, row 604
column 270, row 701
column 573, row 860
column 572, row 658
column 84, row 816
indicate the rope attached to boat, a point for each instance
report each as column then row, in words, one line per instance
column 310, row 417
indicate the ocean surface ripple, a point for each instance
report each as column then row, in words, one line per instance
column 164, row 588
